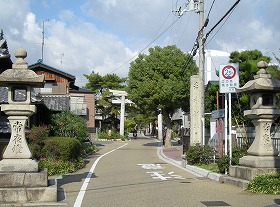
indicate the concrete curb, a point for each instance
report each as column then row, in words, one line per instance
column 190, row 168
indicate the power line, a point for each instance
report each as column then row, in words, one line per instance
column 195, row 46
column 153, row 40
column 225, row 15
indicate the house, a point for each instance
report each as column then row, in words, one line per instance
column 61, row 94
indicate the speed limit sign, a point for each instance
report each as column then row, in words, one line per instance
column 228, row 78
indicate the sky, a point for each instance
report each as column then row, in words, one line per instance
column 104, row 36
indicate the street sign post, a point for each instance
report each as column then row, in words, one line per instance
column 228, row 82
column 228, row 78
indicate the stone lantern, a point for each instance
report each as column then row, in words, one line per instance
column 19, row 80
column 262, row 155
column 21, row 182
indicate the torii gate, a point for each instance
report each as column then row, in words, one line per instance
column 121, row 100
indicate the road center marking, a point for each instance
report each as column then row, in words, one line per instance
column 83, row 189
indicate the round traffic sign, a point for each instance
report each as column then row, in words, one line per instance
column 228, row 72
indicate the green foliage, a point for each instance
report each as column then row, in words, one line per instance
column 199, row 154
column 62, row 148
column 101, row 85
column 160, row 79
column 88, row 148
column 267, row 184
column 112, row 136
column 36, row 150
column 213, row 167
column 56, row 167
column 223, row 164
column 67, row 124
column 237, row 153
column 35, row 138
column 37, row 134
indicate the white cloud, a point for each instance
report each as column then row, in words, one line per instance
column 103, row 35
column 31, row 29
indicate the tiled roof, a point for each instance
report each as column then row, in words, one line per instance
column 81, row 90
column 40, row 63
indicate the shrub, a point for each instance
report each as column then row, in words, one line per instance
column 67, row 124
column 56, row 167
column 199, row 154
column 36, row 150
column 223, row 164
column 114, row 135
column 267, row 183
column 62, row 148
column 35, row 138
column 88, row 148
column 38, row 134
column 237, row 153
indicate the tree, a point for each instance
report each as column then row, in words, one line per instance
column 101, row 85
column 160, row 80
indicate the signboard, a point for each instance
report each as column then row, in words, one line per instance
column 216, row 114
column 228, row 78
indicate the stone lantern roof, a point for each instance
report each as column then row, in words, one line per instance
column 262, row 81
column 20, row 74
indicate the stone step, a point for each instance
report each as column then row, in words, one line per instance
column 24, row 179
column 23, row 195
column 61, row 201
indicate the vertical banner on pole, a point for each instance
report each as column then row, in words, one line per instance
column 228, row 82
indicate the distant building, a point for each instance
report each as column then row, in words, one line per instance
column 213, row 60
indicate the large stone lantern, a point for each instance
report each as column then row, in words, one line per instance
column 262, row 155
column 21, row 182
column 19, row 80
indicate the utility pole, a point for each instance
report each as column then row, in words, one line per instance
column 43, row 41
column 197, row 81
column 201, row 66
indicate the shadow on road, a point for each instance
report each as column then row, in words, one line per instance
column 152, row 144
column 70, row 178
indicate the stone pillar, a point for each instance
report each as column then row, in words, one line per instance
column 195, row 112
column 160, row 125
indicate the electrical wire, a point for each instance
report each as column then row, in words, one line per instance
column 210, row 9
column 220, row 27
column 195, row 47
column 225, row 15
column 153, row 40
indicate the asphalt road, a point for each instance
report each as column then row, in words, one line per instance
column 130, row 174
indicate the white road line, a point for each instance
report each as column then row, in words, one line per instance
column 83, row 189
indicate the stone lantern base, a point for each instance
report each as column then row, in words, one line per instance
column 18, row 165
column 248, row 173
column 260, row 161
column 29, row 189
